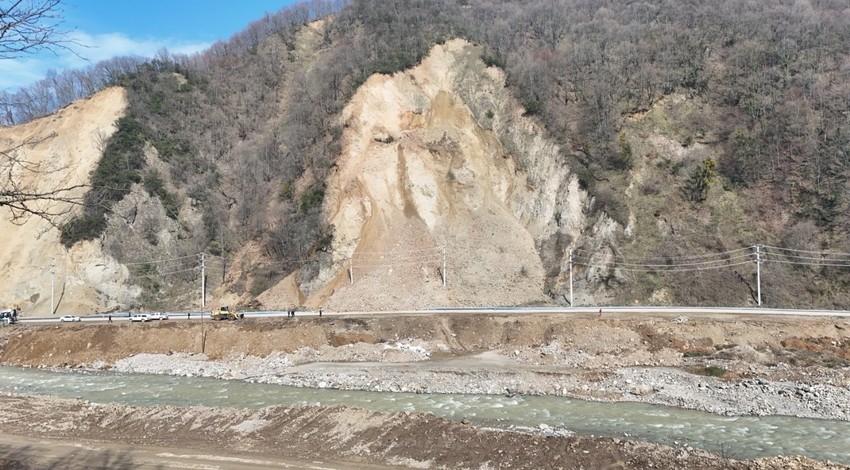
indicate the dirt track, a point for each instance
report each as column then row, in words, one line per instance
column 551, row 354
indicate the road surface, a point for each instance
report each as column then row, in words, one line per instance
column 597, row 310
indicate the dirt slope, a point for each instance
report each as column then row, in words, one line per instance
column 67, row 149
column 813, row 350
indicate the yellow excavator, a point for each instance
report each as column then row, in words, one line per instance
column 225, row 313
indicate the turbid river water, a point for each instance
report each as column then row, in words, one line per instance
column 739, row 437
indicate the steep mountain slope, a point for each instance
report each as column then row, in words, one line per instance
column 422, row 183
column 419, row 176
column 643, row 149
column 65, row 150
column 422, row 179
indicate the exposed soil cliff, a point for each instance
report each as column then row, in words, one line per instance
column 62, row 149
column 440, row 170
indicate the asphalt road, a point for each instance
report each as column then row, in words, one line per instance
column 593, row 310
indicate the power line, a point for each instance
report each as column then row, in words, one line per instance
column 158, row 261
column 416, row 250
column 662, row 267
column 669, row 257
column 682, row 270
column 777, row 261
column 823, row 259
column 805, row 259
column 833, row 253
column 399, row 259
column 164, row 274
column 756, row 255
column 402, row 264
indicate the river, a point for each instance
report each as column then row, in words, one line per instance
column 737, row 437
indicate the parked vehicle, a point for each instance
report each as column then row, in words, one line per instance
column 141, row 317
column 158, row 316
column 9, row 316
column 69, row 318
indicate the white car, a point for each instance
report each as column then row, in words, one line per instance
column 158, row 316
column 65, row 318
column 142, row 317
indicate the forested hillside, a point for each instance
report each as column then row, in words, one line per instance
column 752, row 97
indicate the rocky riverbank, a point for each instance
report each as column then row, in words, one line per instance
column 492, row 373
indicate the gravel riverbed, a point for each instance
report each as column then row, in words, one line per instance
column 410, row 371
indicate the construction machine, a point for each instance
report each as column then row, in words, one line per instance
column 226, row 313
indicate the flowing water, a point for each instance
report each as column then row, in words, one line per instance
column 739, row 437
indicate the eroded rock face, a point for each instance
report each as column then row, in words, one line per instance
column 439, row 159
column 65, row 149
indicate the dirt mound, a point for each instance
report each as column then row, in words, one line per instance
column 533, row 338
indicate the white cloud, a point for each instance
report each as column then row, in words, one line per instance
column 91, row 48
column 99, row 47
column 17, row 72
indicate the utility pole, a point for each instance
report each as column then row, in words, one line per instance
column 203, row 303
column 444, row 266
column 571, row 278
column 203, row 283
column 52, row 285
column 203, row 333
column 758, row 273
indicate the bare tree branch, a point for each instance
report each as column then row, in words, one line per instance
column 23, row 190
column 33, row 188
column 31, row 26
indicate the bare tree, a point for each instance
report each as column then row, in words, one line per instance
column 27, row 27
column 30, row 26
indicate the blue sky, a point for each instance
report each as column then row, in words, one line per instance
column 109, row 28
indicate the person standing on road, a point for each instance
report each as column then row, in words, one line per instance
column 188, row 315
column 110, row 319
